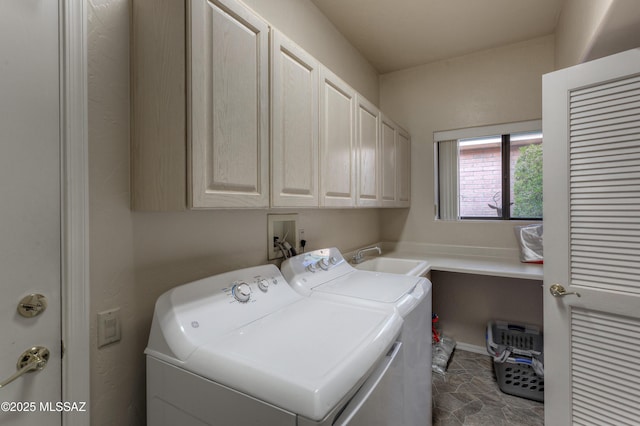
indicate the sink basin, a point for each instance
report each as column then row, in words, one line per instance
column 394, row 266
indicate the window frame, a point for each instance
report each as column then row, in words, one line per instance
column 505, row 131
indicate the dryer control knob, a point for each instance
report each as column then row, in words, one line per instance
column 312, row 268
column 324, row 264
column 263, row 284
column 333, row 260
column 242, row 292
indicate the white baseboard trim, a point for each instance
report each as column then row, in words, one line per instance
column 472, row 348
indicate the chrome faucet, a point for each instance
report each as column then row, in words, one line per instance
column 359, row 256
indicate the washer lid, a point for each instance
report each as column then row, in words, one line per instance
column 326, row 273
column 374, row 286
column 303, row 358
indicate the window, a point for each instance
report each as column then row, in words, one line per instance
column 496, row 174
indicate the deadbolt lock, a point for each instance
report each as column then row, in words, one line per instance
column 32, row 305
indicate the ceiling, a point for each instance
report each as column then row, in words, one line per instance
column 397, row 34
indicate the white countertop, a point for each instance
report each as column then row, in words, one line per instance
column 468, row 260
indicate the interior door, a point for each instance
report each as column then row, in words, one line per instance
column 591, row 124
column 30, row 255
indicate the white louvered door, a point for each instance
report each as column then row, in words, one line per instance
column 591, row 125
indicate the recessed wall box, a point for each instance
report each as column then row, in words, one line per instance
column 284, row 227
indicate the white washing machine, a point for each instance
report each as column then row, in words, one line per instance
column 325, row 274
column 243, row 348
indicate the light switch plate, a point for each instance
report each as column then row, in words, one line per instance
column 108, row 327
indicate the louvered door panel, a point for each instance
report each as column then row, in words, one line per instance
column 605, row 376
column 591, row 125
column 605, row 186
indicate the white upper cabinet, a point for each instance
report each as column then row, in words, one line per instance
column 337, row 141
column 388, row 162
column 200, row 106
column 229, row 113
column 294, row 125
column 403, row 168
column 368, row 162
column 395, row 164
column 229, row 106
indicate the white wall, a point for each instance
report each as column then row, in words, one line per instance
column 578, row 27
column 495, row 86
column 466, row 302
column 592, row 29
column 116, row 370
column 137, row 256
column 303, row 22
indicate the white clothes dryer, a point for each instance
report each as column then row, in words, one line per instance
column 243, row 348
column 325, row 274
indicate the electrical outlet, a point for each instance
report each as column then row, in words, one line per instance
column 108, row 327
column 302, row 241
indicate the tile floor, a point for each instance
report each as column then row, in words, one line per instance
column 468, row 394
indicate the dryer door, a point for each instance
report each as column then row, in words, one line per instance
column 379, row 402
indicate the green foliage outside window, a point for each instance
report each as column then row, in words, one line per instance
column 527, row 188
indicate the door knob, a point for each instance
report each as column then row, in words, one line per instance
column 34, row 359
column 559, row 291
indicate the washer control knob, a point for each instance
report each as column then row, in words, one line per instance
column 263, row 284
column 324, row 264
column 333, row 260
column 312, row 267
column 242, row 292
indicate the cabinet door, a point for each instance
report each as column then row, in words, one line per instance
column 368, row 140
column 294, row 108
column 229, row 138
column 403, row 168
column 337, row 141
column 388, row 162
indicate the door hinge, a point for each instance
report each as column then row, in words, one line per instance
column 62, row 349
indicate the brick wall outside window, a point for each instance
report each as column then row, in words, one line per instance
column 480, row 179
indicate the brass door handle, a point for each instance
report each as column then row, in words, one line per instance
column 559, row 291
column 34, row 359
